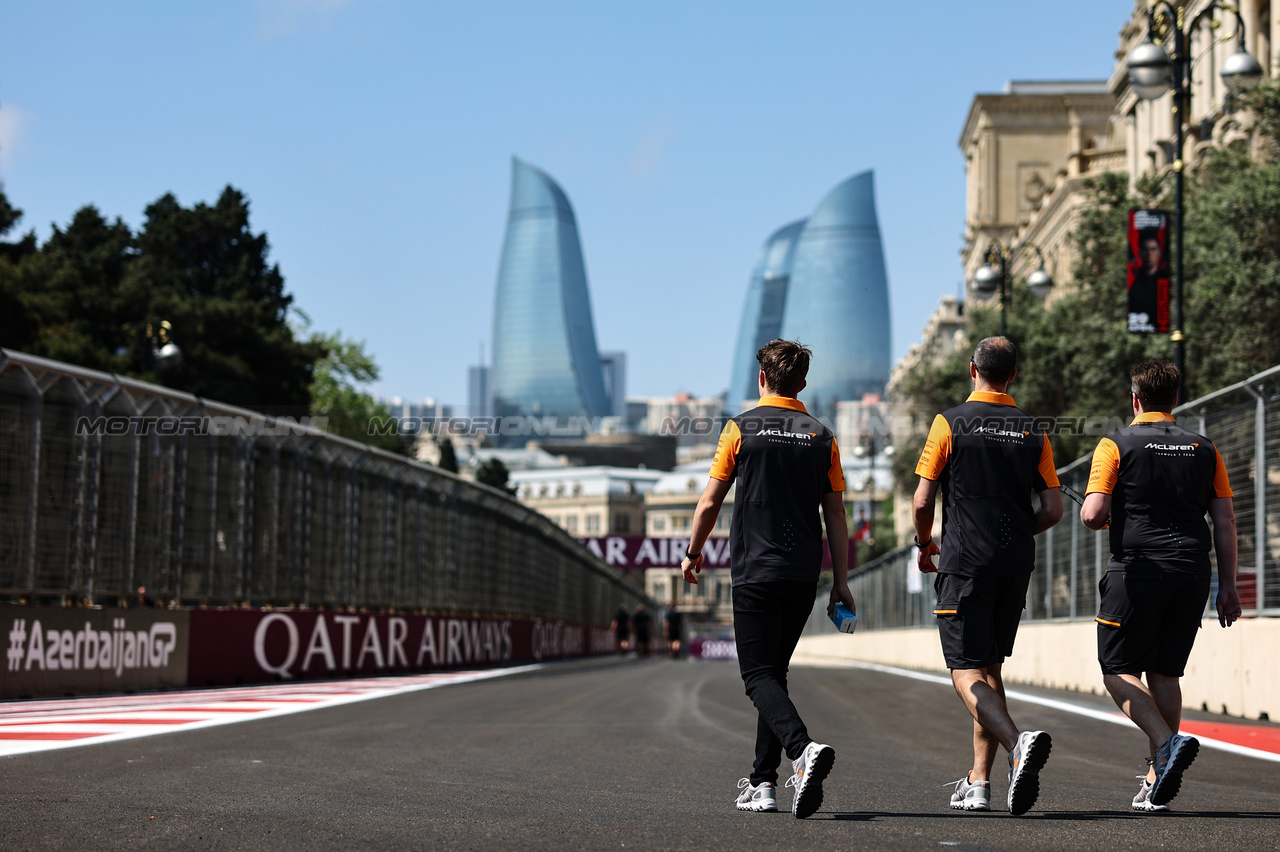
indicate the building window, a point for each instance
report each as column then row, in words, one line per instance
column 622, row 523
column 571, row 523
column 593, row 523
column 681, row 522
column 659, row 524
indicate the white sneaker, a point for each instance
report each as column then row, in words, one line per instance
column 1142, row 801
column 761, row 798
column 810, row 768
column 1025, row 762
column 971, row 795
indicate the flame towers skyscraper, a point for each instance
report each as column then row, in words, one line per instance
column 829, row 273
column 545, row 358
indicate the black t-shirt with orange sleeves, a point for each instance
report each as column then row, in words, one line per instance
column 1161, row 478
column 784, row 462
column 989, row 460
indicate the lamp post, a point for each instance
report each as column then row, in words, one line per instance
column 993, row 276
column 1154, row 71
column 869, row 447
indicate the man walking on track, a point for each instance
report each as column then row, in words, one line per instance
column 987, row 459
column 787, row 468
column 1156, row 481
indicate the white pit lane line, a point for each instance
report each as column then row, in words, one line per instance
column 44, row 725
column 1115, row 718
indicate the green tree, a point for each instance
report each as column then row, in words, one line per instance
column 494, row 473
column 13, row 319
column 202, row 269
column 335, row 393
column 73, row 306
column 92, row 292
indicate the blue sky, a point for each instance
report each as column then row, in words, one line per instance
column 373, row 139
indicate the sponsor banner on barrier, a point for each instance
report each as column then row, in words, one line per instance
column 713, row 649
column 56, row 651
column 638, row 552
column 230, row 646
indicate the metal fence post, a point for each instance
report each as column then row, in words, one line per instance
column 33, row 488
column 1260, row 492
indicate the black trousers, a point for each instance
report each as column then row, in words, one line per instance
column 767, row 621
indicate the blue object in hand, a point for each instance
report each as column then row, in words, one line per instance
column 844, row 619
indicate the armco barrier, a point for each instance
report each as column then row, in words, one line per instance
column 71, row 651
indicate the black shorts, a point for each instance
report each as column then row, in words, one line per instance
column 1148, row 622
column 978, row 617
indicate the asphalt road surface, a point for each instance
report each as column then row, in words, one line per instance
column 611, row 755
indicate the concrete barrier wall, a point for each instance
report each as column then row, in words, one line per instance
column 1231, row 671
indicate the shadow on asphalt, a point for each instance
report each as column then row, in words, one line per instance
column 1048, row 816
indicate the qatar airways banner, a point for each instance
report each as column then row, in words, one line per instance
column 60, row 651
column 637, row 552
column 230, row 646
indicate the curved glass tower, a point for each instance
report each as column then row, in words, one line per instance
column 838, row 297
column 762, row 314
column 545, row 359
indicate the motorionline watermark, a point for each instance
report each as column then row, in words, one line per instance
column 508, row 427
column 236, row 426
column 906, row 426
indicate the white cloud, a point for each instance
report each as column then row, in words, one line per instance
column 651, row 148
column 279, row 18
column 13, row 122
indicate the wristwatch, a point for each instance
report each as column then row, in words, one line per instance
column 689, row 555
column 919, row 543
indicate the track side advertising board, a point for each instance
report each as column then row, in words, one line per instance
column 57, row 651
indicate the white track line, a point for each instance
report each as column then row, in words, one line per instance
column 89, row 721
column 1065, row 706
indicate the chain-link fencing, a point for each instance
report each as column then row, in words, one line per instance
column 117, row 491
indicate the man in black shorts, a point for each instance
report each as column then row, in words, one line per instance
column 987, row 459
column 1156, row 481
column 787, row 468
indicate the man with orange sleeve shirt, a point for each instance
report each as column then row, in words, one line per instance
column 987, row 459
column 1157, row 481
column 789, row 479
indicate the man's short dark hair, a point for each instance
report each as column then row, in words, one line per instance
column 1156, row 385
column 996, row 359
column 785, row 364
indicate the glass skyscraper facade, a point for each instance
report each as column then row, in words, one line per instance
column 836, row 301
column 545, row 358
column 762, row 314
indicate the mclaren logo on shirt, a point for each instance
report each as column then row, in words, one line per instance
column 778, row 433
column 999, row 433
column 1172, row 449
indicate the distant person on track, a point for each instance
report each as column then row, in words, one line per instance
column 1155, row 481
column 621, row 628
column 641, row 623
column 787, row 468
column 673, row 631
column 987, row 460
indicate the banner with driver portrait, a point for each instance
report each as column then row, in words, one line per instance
column 1148, row 271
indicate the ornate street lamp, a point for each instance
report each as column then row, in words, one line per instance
column 1154, row 71
column 993, row 276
